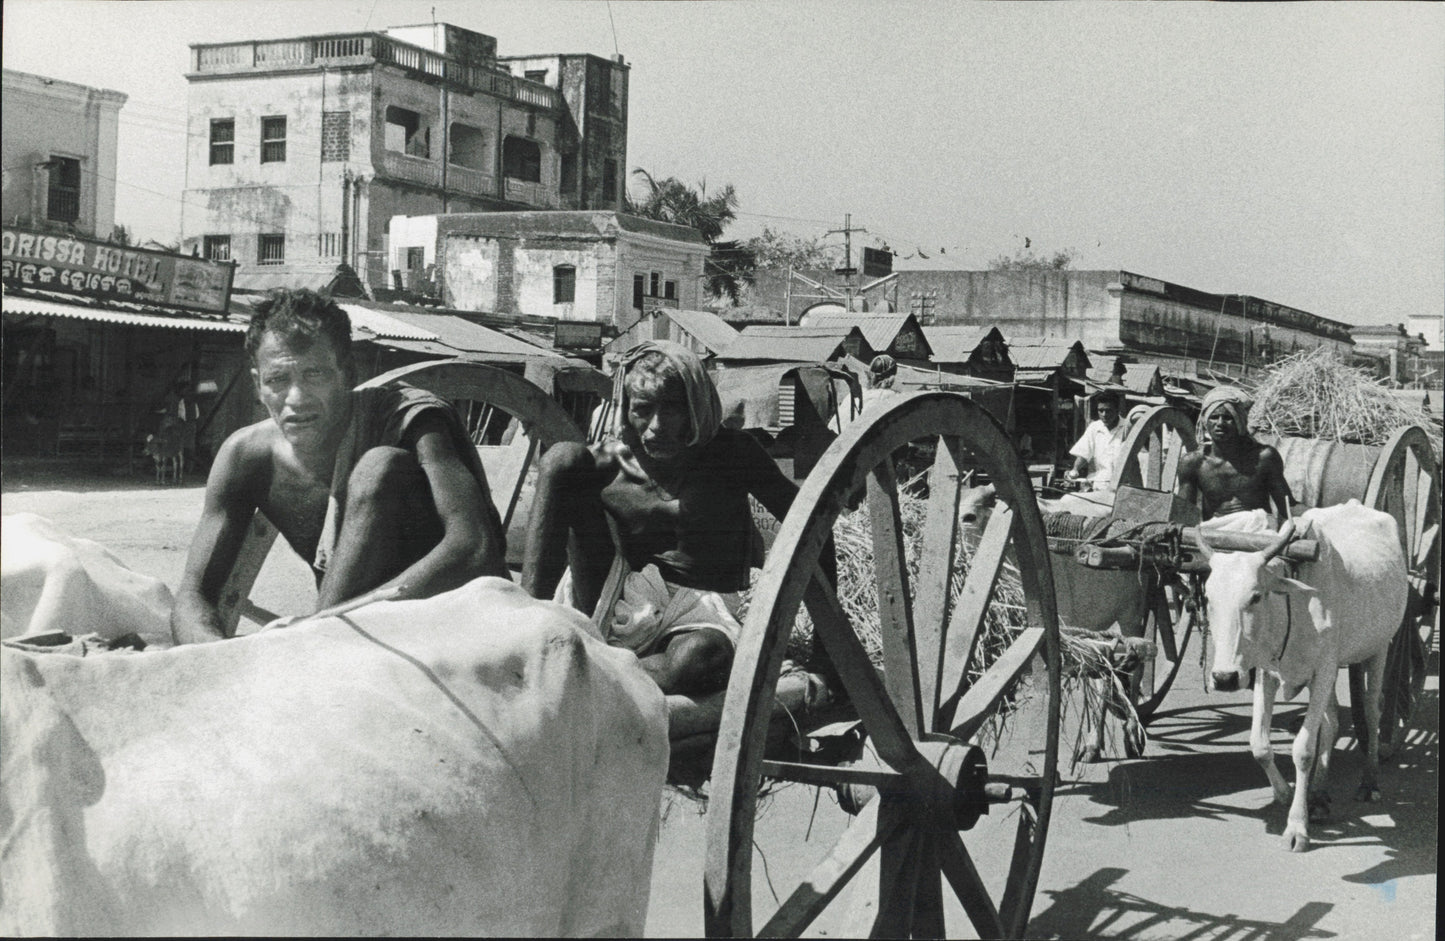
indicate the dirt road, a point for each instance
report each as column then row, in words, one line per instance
column 1182, row 843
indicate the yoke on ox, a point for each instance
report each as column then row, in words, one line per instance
column 1299, row 631
column 472, row 764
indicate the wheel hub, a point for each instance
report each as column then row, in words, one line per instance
column 961, row 781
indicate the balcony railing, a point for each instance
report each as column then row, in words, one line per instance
column 525, row 191
column 472, row 182
column 412, row 169
column 357, row 48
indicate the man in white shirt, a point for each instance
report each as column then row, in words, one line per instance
column 1098, row 451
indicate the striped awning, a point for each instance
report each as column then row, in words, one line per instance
column 22, row 306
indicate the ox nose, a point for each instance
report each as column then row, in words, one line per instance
column 1227, row 682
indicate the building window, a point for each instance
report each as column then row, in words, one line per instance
column 223, row 140
column 609, row 180
column 273, row 140
column 328, row 244
column 63, row 202
column 536, row 75
column 271, row 250
column 522, row 159
column 568, row 184
column 564, row 284
column 405, row 133
column 217, row 247
column 639, row 290
column 335, row 136
column 415, row 258
column 669, row 290
column 468, row 147
column 654, row 284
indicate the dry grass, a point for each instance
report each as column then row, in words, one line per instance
column 1314, row 394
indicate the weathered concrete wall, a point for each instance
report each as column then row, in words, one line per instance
column 43, row 118
column 532, row 278
column 1072, row 305
column 470, row 266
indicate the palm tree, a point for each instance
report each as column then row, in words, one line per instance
column 730, row 264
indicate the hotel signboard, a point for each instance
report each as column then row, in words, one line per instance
column 69, row 264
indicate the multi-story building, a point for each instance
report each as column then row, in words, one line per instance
column 601, row 267
column 301, row 150
column 1398, row 354
column 59, row 147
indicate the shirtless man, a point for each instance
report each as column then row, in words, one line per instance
column 378, row 489
column 676, row 485
column 1235, row 472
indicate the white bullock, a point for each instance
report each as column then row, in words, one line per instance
column 54, row 582
column 1299, row 631
column 472, row 764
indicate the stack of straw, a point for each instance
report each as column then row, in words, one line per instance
column 1313, row 394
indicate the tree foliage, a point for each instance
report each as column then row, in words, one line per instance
column 1025, row 260
column 776, row 250
column 730, row 264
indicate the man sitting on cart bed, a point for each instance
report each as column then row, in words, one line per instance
column 381, row 487
column 675, row 485
column 1235, row 473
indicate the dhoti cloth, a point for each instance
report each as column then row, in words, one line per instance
column 382, row 417
column 652, row 611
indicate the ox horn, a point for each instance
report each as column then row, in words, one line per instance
column 1286, row 534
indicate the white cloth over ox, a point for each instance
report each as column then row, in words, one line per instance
column 472, row 764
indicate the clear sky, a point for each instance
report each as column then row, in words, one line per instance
column 1294, row 152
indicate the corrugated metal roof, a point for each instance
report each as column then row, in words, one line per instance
column 786, row 344
column 955, row 344
column 880, row 330
column 34, row 306
column 367, row 324
column 468, row 337
column 1045, row 355
column 707, row 327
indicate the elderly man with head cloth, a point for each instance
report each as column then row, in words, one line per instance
column 675, row 485
column 1234, row 472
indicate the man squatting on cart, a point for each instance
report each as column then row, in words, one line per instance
column 675, row 484
column 1235, row 473
column 380, row 489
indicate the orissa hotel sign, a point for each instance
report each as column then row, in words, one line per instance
column 72, row 265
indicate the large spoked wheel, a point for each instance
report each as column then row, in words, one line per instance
column 1406, row 484
column 1153, row 450
column 964, row 714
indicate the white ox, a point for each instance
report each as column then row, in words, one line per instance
column 1298, row 632
column 56, row 582
column 473, row 764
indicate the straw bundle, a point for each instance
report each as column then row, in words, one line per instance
column 1313, row 394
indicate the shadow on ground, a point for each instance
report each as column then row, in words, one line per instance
column 1092, row 909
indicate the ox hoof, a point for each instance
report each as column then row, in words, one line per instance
column 1368, row 794
column 1319, row 807
column 1296, row 841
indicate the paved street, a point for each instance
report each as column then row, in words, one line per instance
column 1181, row 843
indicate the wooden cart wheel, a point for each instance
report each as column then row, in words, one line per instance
column 1161, row 436
column 485, row 395
column 1152, row 454
column 1406, row 484
column 963, row 716
column 1174, row 610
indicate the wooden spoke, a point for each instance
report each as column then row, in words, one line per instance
column 830, row 876
column 983, row 695
column 935, row 572
column 895, row 604
column 928, row 639
column 963, row 877
column 972, row 607
column 1023, row 877
column 1164, row 433
column 865, row 688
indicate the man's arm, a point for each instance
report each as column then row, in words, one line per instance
column 225, row 516
column 470, row 545
column 1271, row 466
column 1186, row 486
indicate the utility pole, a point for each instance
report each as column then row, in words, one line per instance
column 847, row 271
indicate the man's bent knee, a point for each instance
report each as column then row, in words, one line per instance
column 566, row 458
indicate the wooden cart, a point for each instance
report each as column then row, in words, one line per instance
column 1401, row 478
